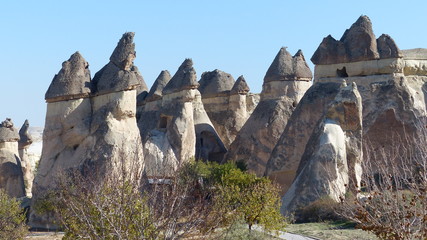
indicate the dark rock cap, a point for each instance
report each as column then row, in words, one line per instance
column 24, row 135
column 360, row 41
column 124, row 54
column 72, row 81
column 330, row 51
column 158, row 86
column 142, row 89
column 119, row 74
column 387, row 48
column 287, row 68
column 240, row 87
column 357, row 44
column 301, row 69
column 7, row 132
column 215, row 83
column 184, row 78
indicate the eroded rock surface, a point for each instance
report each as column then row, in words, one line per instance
column 392, row 88
column 358, row 43
column 95, row 133
column 27, row 162
column 174, row 124
column 333, row 154
column 225, row 101
column 286, row 155
column 11, row 176
column 285, row 83
column 71, row 82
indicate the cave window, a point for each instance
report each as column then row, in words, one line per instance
column 163, row 122
column 342, row 72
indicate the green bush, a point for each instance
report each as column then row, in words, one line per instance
column 12, row 218
column 239, row 195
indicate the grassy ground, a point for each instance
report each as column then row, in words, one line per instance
column 330, row 230
column 241, row 232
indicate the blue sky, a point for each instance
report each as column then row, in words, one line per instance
column 239, row 37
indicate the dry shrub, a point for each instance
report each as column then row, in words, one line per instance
column 197, row 201
column 392, row 202
column 324, row 209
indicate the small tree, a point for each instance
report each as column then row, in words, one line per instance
column 239, row 195
column 12, row 218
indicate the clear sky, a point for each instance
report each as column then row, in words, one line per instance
column 238, row 37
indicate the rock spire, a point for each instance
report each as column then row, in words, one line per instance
column 184, row 78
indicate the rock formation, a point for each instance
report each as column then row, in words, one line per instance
column 91, row 127
column 286, row 155
column 11, row 177
column 285, row 83
column 174, row 125
column 28, row 164
column 225, row 103
column 333, row 154
column 391, row 83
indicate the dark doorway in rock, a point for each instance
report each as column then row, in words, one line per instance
column 208, row 147
column 342, row 72
column 163, row 123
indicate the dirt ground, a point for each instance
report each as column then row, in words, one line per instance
column 45, row 236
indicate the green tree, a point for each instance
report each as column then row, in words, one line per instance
column 245, row 196
column 12, row 218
